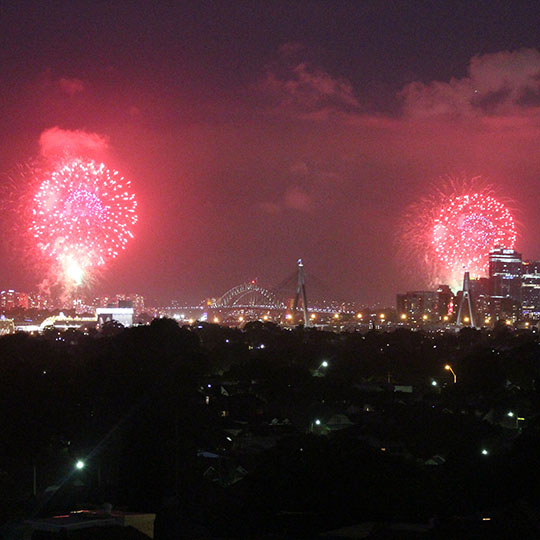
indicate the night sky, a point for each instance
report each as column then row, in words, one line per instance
column 255, row 133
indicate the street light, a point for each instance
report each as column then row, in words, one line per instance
column 79, row 465
column 324, row 363
column 448, row 367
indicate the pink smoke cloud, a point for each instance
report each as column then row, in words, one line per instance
column 297, row 199
column 498, row 83
column 71, row 86
column 57, row 141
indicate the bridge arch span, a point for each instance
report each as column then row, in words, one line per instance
column 248, row 294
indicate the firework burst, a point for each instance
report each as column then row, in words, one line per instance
column 454, row 229
column 82, row 215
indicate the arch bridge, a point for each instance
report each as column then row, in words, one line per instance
column 249, row 295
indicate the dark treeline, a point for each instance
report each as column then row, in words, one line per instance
column 165, row 417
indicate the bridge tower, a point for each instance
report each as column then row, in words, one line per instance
column 466, row 295
column 301, row 291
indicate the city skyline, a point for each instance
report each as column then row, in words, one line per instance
column 306, row 134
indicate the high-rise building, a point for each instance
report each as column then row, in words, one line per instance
column 416, row 304
column 479, row 290
column 445, row 301
column 530, row 289
column 7, row 299
column 505, row 269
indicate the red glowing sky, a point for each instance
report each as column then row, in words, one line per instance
column 258, row 133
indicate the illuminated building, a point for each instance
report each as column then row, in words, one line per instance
column 530, row 289
column 445, row 301
column 38, row 301
column 137, row 302
column 505, row 269
column 416, row 304
column 6, row 326
column 479, row 289
column 7, row 299
column 123, row 315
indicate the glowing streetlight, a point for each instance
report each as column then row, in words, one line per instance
column 79, row 465
column 216, row 320
column 448, row 367
column 359, row 315
column 466, row 319
column 484, row 452
column 240, row 319
column 317, row 422
column 433, row 383
column 336, row 315
column 382, row 316
column 403, row 316
column 445, row 318
column 324, row 363
column 425, row 317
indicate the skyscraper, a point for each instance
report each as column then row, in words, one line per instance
column 530, row 289
column 505, row 269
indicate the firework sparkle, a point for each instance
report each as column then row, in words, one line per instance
column 82, row 216
column 454, row 228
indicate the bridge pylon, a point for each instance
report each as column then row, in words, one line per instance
column 301, row 292
column 465, row 296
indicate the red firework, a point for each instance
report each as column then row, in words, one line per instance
column 468, row 228
column 82, row 216
column 453, row 229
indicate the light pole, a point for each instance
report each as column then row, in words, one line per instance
column 448, row 367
